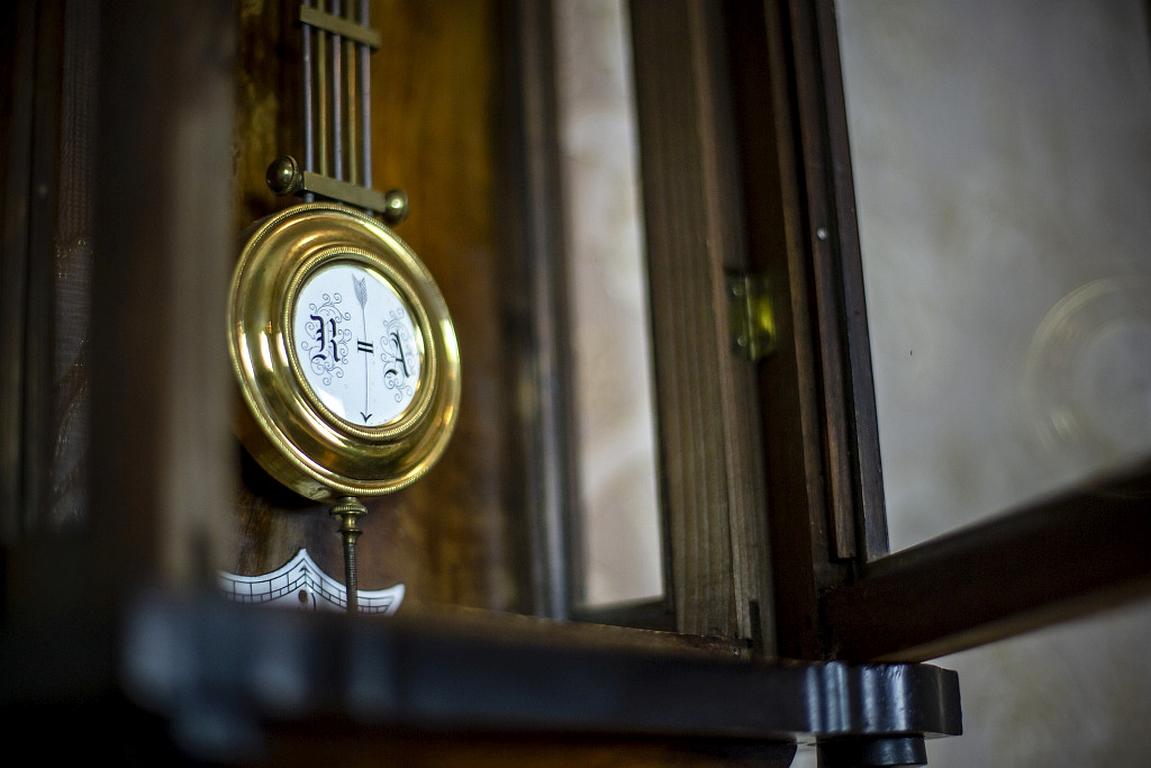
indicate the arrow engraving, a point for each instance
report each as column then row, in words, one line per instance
column 361, row 288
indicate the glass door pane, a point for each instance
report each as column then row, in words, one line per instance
column 1002, row 162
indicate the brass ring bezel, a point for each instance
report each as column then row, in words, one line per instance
column 287, row 429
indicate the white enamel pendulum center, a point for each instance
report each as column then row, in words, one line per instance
column 357, row 345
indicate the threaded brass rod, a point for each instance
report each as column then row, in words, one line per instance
column 349, row 510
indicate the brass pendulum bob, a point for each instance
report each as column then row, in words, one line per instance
column 349, row 510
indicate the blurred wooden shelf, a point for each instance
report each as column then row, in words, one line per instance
column 229, row 680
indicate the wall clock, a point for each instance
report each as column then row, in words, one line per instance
column 342, row 346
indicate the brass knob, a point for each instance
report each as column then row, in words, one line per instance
column 396, row 206
column 284, row 176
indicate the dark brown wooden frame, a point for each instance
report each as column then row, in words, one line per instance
column 716, row 576
column 31, row 105
column 1066, row 556
column 712, row 477
column 775, row 526
column 843, row 595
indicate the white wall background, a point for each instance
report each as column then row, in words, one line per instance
column 1002, row 157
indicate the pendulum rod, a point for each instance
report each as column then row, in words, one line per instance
column 348, row 511
column 335, row 48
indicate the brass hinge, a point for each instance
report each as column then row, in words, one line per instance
column 752, row 316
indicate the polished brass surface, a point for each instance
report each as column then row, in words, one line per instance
column 752, row 315
column 352, row 194
column 284, row 176
column 338, row 25
column 395, row 206
column 290, row 433
column 349, row 510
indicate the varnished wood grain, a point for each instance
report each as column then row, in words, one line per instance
column 1059, row 558
column 791, row 394
column 266, row 120
column 434, row 97
column 707, row 411
column 854, row 483
column 870, row 513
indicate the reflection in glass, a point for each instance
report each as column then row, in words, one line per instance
column 1002, row 161
column 619, row 515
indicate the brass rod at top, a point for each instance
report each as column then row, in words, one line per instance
column 322, row 104
column 337, row 101
column 309, row 106
column 365, row 106
column 352, row 95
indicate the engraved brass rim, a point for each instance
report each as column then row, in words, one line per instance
column 286, row 428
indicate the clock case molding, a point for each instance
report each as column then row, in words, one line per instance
column 780, row 588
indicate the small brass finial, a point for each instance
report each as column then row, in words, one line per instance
column 284, row 176
column 396, row 209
